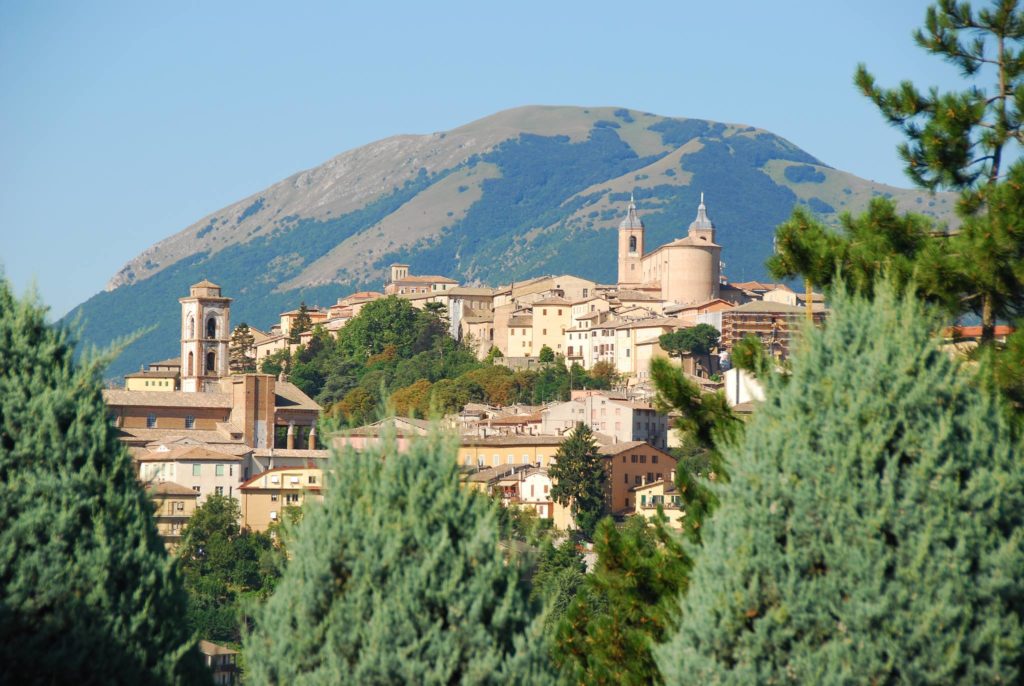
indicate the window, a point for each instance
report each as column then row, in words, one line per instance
column 231, row 470
column 559, row 312
column 654, row 459
column 190, row 421
column 191, row 327
column 273, row 515
column 632, row 458
column 219, row 490
column 632, row 244
column 626, row 479
column 637, row 479
column 179, row 505
column 190, row 358
column 650, row 477
column 211, row 361
column 586, row 292
column 544, row 311
column 273, row 497
column 643, row 459
column 196, row 489
column 211, row 328
column 312, row 479
column 218, row 470
column 197, row 470
column 150, row 420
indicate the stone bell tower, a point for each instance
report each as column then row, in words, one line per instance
column 205, row 332
column 631, row 247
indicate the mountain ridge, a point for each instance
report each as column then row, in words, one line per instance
column 531, row 190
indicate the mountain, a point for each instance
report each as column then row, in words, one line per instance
column 528, row 191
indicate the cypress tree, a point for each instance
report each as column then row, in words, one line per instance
column 873, row 528
column 397, row 578
column 87, row 592
column 580, row 476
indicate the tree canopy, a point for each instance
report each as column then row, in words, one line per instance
column 579, row 475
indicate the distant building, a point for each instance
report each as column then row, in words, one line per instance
column 631, row 464
column 647, row 498
column 221, row 661
column 772, row 322
column 401, row 282
column 205, row 334
column 618, row 418
column 266, row 496
column 173, row 505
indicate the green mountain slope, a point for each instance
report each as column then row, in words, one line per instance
column 524, row 192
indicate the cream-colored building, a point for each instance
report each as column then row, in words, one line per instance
column 401, row 282
column 552, row 316
column 203, row 470
column 151, row 381
column 686, row 270
column 519, row 450
column 620, row 419
column 266, row 496
column 647, row 498
column 632, row 464
column 629, row 334
column 205, row 333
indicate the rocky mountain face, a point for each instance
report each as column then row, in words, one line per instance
column 529, row 191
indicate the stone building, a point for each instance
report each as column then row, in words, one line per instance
column 205, row 334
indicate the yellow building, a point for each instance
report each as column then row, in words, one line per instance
column 663, row 493
column 552, row 316
column 151, row 381
column 494, row 451
column 266, row 496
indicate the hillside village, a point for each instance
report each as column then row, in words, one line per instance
column 196, row 429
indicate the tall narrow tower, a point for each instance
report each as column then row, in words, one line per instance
column 631, row 246
column 205, row 330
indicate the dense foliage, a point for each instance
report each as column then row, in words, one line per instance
column 624, row 607
column 225, row 567
column 873, row 528
column 392, row 352
column 397, row 578
column 87, row 592
column 580, row 477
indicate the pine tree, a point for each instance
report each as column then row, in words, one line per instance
column 397, row 578
column 87, row 592
column 241, row 359
column 965, row 140
column 872, row 530
column 303, row 322
column 626, row 606
column 579, row 475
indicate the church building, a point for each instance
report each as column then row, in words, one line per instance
column 684, row 271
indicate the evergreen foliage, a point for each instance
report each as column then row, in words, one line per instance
column 397, row 578
column 87, row 592
column 224, row 567
column 557, row 579
column 240, row 350
column 694, row 340
column 626, row 606
column 966, row 141
column 707, row 426
column 873, row 528
column 301, row 324
column 579, row 475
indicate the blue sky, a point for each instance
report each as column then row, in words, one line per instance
column 122, row 123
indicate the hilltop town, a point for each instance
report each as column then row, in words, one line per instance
column 197, row 428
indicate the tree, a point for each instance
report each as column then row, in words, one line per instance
column 872, row 528
column 556, row 581
column 397, row 578
column 383, row 322
column 358, row 407
column 223, row 565
column 413, row 400
column 964, row 140
column 694, row 340
column 302, row 323
column 240, row 350
column 87, row 592
column 579, row 475
column 604, row 375
column 626, row 606
column 546, row 355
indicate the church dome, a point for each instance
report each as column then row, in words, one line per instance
column 702, row 222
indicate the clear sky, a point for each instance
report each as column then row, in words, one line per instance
column 122, row 123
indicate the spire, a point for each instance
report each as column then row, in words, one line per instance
column 632, row 220
column 702, row 222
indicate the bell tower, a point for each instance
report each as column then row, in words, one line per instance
column 205, row 331
column 631, row 246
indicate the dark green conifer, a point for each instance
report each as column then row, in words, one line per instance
column 873, row 528
column 580, row 477
column 87, row 593
column 397, row 578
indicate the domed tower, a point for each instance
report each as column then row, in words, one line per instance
column 205, row 332
column 631, row 247
column 701, row 228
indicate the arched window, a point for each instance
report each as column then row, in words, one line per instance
column 211, row 361
column 211, row 328
column 191, row 327
column 632, row 243
column 190, row 366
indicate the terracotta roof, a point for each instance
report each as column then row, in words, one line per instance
column 478, row 318
column 521, row 320
column 670, row 486
column 552, row 300
column 275, row 470
column 154, row 436
column 151, row 375
column 974, row 331
column 171, row 488
column 513, row 419
column 470, row 290
column 288, row 396
column 420, row 427
column 210, row 648
column 166, row 398
column 636, row 296
column 753, row 285
column 284, row 452
column 697, row 306
column 169, row 362
column 762, row 306
column 205, row 283
column 510, row 440
column 618, row 448
column 189, row 453
column 654, row 321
